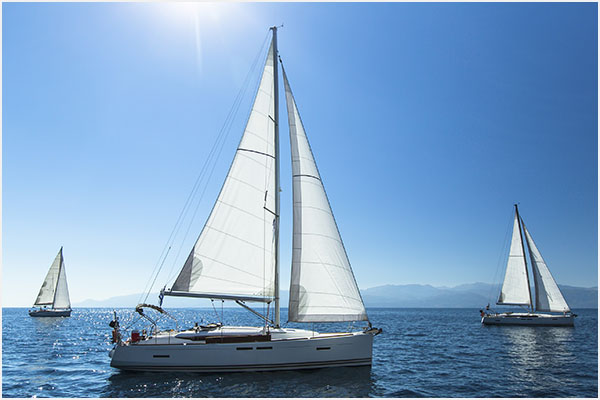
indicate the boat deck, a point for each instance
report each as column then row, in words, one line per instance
column 232, row 334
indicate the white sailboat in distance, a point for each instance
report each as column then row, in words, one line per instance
column 236, row 257
column 53, row 298
column 516, row 289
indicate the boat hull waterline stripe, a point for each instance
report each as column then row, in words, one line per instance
column 254, row 367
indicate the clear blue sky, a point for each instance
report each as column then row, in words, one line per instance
column 428, row 121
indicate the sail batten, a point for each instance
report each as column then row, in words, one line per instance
column 234, row 256
column 322, row 287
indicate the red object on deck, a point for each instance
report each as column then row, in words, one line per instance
column 135, row 336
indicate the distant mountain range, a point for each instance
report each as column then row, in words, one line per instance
column 470, row 295
column 462, row 296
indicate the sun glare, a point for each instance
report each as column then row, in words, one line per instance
column 205, row 11
column 194, row 18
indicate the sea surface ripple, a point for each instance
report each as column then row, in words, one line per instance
column 421, row 353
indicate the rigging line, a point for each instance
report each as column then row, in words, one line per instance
column 201, row 195
column 212, row 302
column 175, row 259
column 264, row 247
column 496, row 281
column 269, row 167
column 158, row 262
column 132, row 323
column 221, row 135
column 226, row 128
column 177, row 225
column 192, row 194
column 156, row 276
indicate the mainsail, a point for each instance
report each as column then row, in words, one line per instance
column 322, row 288
column 547, row 294
column 234, row 256
column 54, row 291
column 515, row 289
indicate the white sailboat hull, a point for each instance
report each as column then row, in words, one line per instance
column 50, row 313
column 286, row 350
column 528, row 319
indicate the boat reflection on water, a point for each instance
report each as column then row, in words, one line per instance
column 533, row 351
column 46, row 326
column 324, row 382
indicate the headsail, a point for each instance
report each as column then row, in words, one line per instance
column 515, row 289
column 547, row 294
column 234, row 256
column 322, row 288
column 61, row 297
column 54, row 291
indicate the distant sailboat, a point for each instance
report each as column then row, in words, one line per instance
column 236, row 257
column 516, row 288
column 53, row 298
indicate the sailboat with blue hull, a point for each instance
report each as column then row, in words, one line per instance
column 236, row 257
column 550, row 307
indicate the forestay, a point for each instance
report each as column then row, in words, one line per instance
column 515, row 289
column 323, row 288
column 547, row 294
column 234, row 256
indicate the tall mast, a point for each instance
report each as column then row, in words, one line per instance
column 277, row 188
column 524, row 257
column 60, row 265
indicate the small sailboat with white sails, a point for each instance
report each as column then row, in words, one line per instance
column 53, row 298
column 516, row 289
column 236, row 257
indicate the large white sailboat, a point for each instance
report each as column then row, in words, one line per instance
column 236, row 257
column 516, row 289
column 53, row 298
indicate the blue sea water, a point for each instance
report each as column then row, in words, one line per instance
column 421, row 353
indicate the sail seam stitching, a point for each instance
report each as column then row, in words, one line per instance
column 319, row 262
column 236, row 237
column 230, row 266
column 240, row 209
column 315, row 208
column 260, row 190
column 257, row 136
column 319, row 234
